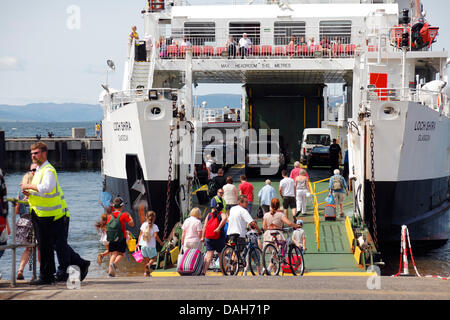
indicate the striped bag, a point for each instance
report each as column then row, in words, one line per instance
column 190, row 263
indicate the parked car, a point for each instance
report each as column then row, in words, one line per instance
column 319, row 156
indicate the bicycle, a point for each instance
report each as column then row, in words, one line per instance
column 238, row 254
column 274, row 254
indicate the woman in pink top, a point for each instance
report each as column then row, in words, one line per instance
column 192, row 230
column 274, row 220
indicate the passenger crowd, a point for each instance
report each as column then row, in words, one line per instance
column 244, row 47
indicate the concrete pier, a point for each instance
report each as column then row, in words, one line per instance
column 66, row 153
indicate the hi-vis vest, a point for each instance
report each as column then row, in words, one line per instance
column 222, row 201
column 48, row 204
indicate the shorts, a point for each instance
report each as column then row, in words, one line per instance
column 215, row 245
column 339, row 197
column 119, row 246
column 289, row 202
column 148, row 252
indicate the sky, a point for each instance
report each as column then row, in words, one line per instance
column 56, row 51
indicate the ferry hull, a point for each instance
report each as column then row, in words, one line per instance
column 417, row 204
column 155, row 195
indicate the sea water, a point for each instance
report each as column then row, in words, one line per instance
column 82, row 191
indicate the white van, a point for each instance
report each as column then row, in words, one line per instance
column 313, row 137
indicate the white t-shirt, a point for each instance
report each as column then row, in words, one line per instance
column 208, row 163
column 246, row 43
column 230, row 194
column 298, row 235
column 152, row 242
column 192, row 226
column 287, row 186
column 238, row 220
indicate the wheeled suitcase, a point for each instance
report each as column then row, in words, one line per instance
column 330, row 212
column 190, row 263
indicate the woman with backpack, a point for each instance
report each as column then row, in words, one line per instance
column 213, row 234
column 116, row 234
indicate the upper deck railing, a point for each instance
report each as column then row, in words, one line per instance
column 299, row 41
column 270, row 2
column 435, row 100
column 218, row 115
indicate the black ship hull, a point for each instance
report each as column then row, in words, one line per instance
column 423, row 206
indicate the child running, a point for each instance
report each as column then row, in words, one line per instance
column 147, row 240
column 101, row 227
column 299, row 237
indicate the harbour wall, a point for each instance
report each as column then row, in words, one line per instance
column 66, row 153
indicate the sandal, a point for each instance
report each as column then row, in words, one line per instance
column 99, row 259
column 20, row 275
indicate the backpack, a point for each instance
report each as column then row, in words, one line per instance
column 215, row 167
column 114, row 230
column 212, row 187
column 213, row 223
column 337, row 183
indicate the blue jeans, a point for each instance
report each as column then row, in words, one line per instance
column 249, row 207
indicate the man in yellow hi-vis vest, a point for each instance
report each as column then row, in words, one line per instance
column 50, row 217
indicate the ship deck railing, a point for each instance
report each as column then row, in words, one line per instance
column 435, row 100
column 218, row 114
column 266, row 2
column 207, row 43
column 121, row 98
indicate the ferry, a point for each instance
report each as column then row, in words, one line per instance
column 394, row 121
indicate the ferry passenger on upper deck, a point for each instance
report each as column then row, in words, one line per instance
column 148, row 45
column 326, row 46
column 245, row 44
column 311, row 42
column 231, row 47
column 302, row 41
column 162, row 46
column 186, row 43
column 134, row 35
column 292, row 45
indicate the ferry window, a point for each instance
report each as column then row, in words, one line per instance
column 284, row 30
column 336, row 30
column 252, row 29
column 200, row 33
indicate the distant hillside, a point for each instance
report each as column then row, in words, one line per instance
column 70, row 112
column 220, row 100
column 50, row 112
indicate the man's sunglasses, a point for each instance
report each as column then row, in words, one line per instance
column 33, row 170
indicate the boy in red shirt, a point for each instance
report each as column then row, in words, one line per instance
column 246, row 188
column 117, row 248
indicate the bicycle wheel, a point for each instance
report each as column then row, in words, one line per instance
column 229, row 261
column 271, row 260
column 295, row 260
column 255, row 261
